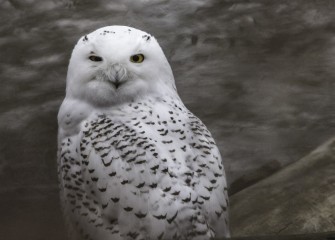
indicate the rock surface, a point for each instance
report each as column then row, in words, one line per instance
column 298, row 199
column 318, row 236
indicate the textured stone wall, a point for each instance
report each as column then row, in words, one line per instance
column 260, row 74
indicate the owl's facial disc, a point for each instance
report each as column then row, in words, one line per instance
column 117, row 64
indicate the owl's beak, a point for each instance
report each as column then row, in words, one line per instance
column 116, row 74
column 116, row 83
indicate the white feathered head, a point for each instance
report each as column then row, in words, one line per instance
column 116, row 64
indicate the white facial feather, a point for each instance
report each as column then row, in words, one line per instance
column 92, row 81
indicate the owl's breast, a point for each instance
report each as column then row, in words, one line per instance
column 145, row 166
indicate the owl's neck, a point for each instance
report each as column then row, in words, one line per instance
column 148, row 99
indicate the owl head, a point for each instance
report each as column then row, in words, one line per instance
column 117, row 64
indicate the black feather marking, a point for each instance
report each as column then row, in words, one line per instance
column 102, row 189
column 165, row 133
column 205, row 197
column 133, row 235
column 104, row 205
column 187, row 199
column 188, row 181
column 131, row 160
column 160, row 217
column 124, row 182
column 99, row 225
column 128, row 209
column 94, row 179
column 127, row 153
column 155, row 167
column 175, row 193
column 170, row 220
column 107, row 164
column 140, row 215
column 140, row 185
column 218, row 214
column 113, row 220
column 140, row 161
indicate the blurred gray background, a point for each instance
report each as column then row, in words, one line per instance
column 260, row 74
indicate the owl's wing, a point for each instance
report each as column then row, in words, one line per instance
column 212, row 184
column 88, row 183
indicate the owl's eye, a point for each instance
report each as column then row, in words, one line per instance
column 137, row 58
column 95, row 58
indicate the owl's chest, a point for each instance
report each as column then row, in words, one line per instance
column 142, row 156
column 145, row 161
column 147, row 125
column 139, row 136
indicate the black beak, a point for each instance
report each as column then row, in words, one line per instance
column 116, row 83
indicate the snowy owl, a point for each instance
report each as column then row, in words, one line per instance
column 133, row 161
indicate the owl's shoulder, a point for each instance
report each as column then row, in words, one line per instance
column 70, row 116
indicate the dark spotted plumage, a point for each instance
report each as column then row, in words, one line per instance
column 133, row 183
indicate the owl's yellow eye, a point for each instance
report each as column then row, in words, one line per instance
column 137, row 58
